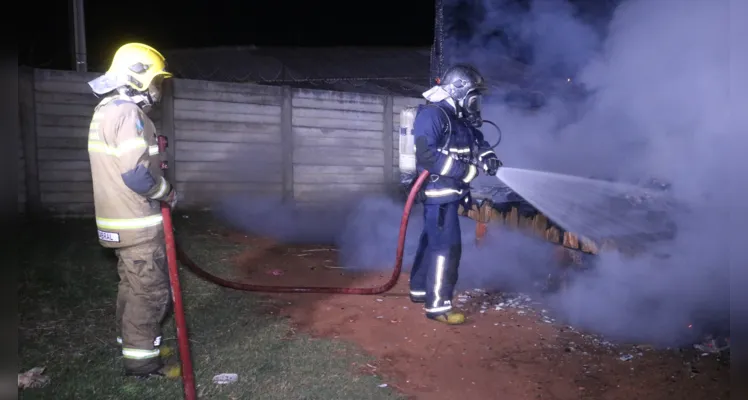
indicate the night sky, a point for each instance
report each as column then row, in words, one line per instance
column 170, row 24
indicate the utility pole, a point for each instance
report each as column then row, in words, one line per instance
column 78, row 29
column 437, row 49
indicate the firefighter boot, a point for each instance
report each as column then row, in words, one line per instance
column 169, row 371
column 449, row 317
column 170, row 367
column 417, row 296
column 166, row 351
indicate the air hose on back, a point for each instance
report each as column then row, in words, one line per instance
column 498, row 131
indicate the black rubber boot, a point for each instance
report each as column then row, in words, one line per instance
column 170, row 371
column 449, row 317
column 417, row 299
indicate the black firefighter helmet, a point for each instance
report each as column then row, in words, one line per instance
column 465, row 86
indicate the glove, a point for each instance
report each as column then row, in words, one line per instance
column 171, row 199
column 468, row 202
column 491, row 164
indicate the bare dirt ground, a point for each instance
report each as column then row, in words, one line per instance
column 509, row 349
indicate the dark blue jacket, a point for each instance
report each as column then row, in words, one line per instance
column 445, row 146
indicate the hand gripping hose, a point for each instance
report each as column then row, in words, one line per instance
column 186, row 261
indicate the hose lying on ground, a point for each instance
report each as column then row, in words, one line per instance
column 197, row 270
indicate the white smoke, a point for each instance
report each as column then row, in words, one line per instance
column 659, row 107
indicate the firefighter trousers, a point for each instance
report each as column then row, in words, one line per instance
column 142, row 302
column 434, row 273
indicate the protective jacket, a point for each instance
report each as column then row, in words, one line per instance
column 445, row 146
column 125, row 168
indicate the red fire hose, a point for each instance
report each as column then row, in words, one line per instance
column 185, row 260
column 174, row 253
column 188, row 376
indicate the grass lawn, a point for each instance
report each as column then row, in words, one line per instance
column 67, row 288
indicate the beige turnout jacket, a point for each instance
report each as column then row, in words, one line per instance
column 125, row 168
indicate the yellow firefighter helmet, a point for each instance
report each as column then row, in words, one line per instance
column 135, row 65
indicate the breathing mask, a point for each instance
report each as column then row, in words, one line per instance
column 470, row 106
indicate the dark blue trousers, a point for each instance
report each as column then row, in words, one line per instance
column 434, row 272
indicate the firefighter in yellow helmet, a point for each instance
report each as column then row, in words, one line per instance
column 128, row 187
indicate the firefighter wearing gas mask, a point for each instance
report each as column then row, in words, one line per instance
column 449, row 146
column 128, row 186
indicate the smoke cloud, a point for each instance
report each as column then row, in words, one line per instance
column 658, row 105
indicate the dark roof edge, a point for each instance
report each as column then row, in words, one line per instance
column 255, row 48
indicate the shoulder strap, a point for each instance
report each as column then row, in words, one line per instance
column 448, row 128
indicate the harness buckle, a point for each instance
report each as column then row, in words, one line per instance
column 434, row 177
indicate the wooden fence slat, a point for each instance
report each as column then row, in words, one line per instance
column 84, row 209
column 338, row 156
column 266, row 174
column 65, row 175
column 212, row 86
column 65, row 186
column 63, row 155
column 338, row 97
column 206, row 166
column 386, row 139
column 212, row 116
column 67, row 197
column 167, row 129
column 63, row 121
column 232, row 153
column 334, row 191
column 312, row 133
column 304, row 174
column 44, row 75
column 216, row 189
column 61, row 132
column 62, row 87
column 288, row 143
column 337, row 123
column 401, row 102
column 229, row 97
column 88, row 100
column 348, row 143
column 223, row 147
column 228, row 137
column 27, row 113
column 222, row 126
column 64, row 165
column 227, row 108
column 338, row 114
column 62, row 143
column 306, row 103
